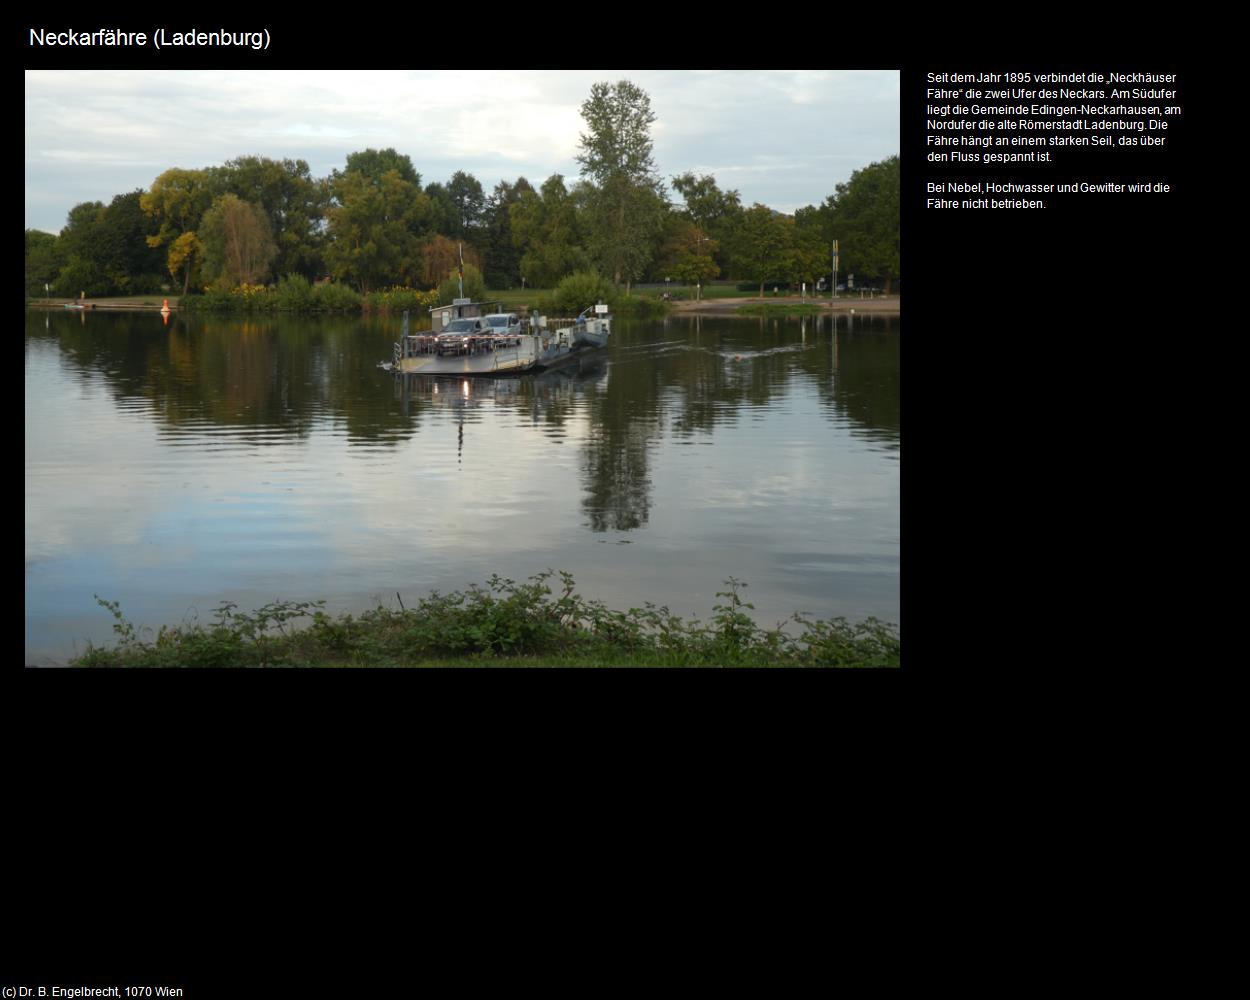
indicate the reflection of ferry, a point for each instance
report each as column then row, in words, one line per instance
column 549, row 392
column 533, row 391
column 483, row 351
column 472, row 391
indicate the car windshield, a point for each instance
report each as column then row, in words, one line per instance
column 460, row 326
column 499, row 321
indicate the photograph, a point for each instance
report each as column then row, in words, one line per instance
column 462, row 368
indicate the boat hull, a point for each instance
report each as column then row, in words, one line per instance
column 528, row 356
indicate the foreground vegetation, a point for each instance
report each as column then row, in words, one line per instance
column 504, row 623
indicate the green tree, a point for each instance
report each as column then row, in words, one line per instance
column 865, row 220
column 105, row 251
column 627, row 205
column 185, row 255
column 501, row 261
column 376, row 163
column 764, row 248
column 717, row 213
column 547, row 232
column 689, row 255
column 376, row 223
column 44, row 259
column 83, row 270
column 465, row 192
column 443, row 215
column 132, row 265
column 293, row 202
column 176, row 201
column 238, row 242
column 707, row 206
column 810, row 256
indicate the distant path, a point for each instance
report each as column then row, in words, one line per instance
column 844, row 303
column 148, row 302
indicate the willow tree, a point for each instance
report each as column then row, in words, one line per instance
column 292, row 200
column 627, row 205
column 238, row 241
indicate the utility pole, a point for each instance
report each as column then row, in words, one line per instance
column 833, row 291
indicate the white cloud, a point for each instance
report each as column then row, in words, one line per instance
column 783, row 137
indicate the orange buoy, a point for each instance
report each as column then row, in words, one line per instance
column 165, row 308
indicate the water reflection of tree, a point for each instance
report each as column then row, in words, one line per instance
column 280, row 375
column 695, row 376
column 858, row 376
column 682, row 377
column 624, row 420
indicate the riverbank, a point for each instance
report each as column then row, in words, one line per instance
column 844, row 304
column 151, row 303
column 501, row 624
column 768, row 305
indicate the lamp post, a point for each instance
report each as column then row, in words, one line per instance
column 833, row 284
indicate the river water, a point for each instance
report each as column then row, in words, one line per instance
column 173, row 467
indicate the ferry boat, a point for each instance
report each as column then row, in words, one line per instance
column 465, row 339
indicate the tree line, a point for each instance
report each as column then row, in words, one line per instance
column 374, row 224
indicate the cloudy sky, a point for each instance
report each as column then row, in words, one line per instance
column 784, row 138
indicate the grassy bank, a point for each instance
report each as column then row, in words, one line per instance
column 515, row 299
column 503, row 623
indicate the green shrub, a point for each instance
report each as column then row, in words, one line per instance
column 213, row 300
column 580, row 290
column 503, row 622
column 335, row 297
column 293, row 293
column 399, row 298
column 640, row 307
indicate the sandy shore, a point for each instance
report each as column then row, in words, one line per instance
column 843, row 304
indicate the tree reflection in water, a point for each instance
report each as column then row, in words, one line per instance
column 275, row 379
